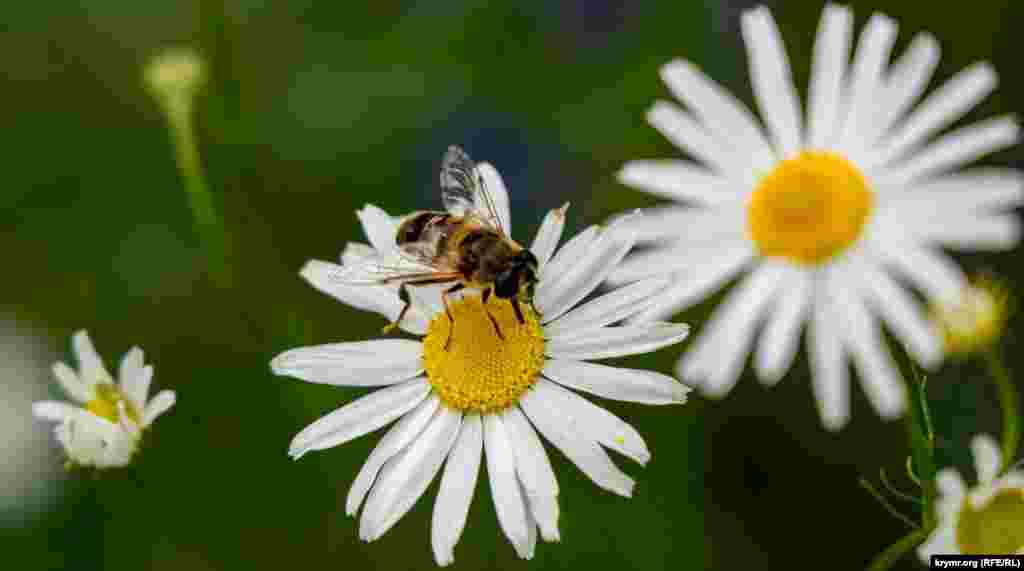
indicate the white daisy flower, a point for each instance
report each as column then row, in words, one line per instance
column 103, row 429
column 485, row 397
column 986, row 519
column 828, row 214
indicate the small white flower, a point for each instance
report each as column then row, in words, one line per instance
column 828, row 214
column 487, row 398
column 985, row 519
column 103, row 429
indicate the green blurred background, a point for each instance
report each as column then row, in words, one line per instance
column 314, row 109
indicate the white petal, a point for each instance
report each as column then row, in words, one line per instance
column 861, row 335
column 873, row 50
column 570, row 253
column 831, row 52
column 931, row 271
column 558, row 294
column 949, row 483
column 901, row 312
column 781, row 335
column 683, row 131
column 406, row 476
column 90, row 366
column 980, row 191
column 535, row 472
column 508, row 499
column 380, row 228
column 360, row 417
column 578, row 447
column 380, row 299
column 829, row 374
column 606, row 309
column 681, row 260
column 954, row 149
column 987, row 458
column 942, row 541
column 456, row 491
column 550, row 233
column 497, row 190
column 53, row 410
column 722, row 114
column 128, row 375
column 159, row 404
column 772, row 80
column 360, row 363
column 136, row 388
column 679, row 180
column 617, row 341
column 405, row 431
column 965, row 231
column 717, row 358
column 702, row 280
column 594, row 422
column 692, row 227
column 617, row 383
column 905, row 81
column 941, row 108
column 71, row 384
column 355, row 252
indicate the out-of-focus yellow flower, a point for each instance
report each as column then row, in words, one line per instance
column 976, row 320
column 174, row 77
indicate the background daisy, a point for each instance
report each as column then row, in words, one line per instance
column 102, row 426
column 485, row 400
column 987, row 518
column 829, row 213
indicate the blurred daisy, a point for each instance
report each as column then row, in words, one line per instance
column 986, row 519
column 826, row 213
column 976, row 319
column 487, row 398
column 103, row 429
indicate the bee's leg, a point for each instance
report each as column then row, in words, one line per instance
column 494, row 322
column 448, row 311
column 403, row 294
column 519, row 312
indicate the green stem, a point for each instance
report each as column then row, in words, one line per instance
column 922, row 445
column 897, row 550
column 1009, row 400
column 208, row 223
column 885, row 503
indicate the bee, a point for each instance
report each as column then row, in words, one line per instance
column 467, row 245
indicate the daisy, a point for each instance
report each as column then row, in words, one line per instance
column 103, row 429
column 976, row 319
column 827, row 215
column 485, row 399
column 985, row 519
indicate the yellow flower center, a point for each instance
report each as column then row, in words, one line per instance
column 479, row 371
column 809, row 208
column 997, row 528
column 104, row 405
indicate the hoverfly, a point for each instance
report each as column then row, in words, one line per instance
column 467, row 245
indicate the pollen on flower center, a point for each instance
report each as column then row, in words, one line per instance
column 105, row 403
column 809, row 208
column 479, row 371
column 996, row 528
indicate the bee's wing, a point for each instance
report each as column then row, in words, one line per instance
column 392, row 267
column 464, row 192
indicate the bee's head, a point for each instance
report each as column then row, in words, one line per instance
column 519, row 277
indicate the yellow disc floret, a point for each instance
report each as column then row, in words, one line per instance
column 997, row 528
column 809, row 208
column 106, row 401
column 480, row 371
